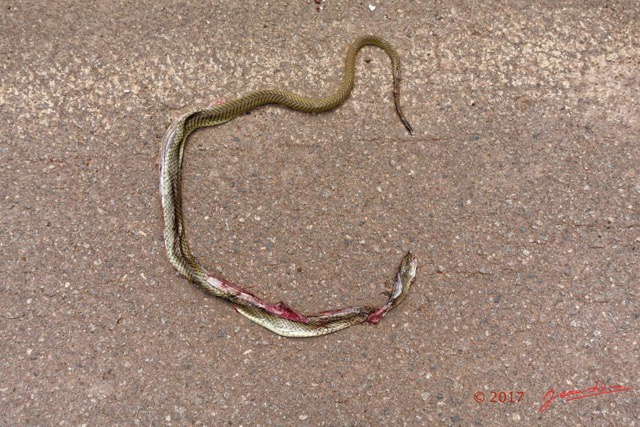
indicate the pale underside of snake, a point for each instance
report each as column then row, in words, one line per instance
column 279, row 318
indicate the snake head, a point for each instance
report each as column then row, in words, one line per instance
column 404, row 279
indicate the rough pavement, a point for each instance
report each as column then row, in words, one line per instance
column 520, row 194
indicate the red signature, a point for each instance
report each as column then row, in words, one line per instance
column 575, row 394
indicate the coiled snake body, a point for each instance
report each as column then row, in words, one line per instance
column 279, row 317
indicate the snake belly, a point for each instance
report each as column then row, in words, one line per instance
column 279, row 318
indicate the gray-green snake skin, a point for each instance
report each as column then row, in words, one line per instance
column 279, row 317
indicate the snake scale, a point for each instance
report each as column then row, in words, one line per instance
column 279, row 318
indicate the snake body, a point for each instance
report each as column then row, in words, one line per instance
column 279, row 317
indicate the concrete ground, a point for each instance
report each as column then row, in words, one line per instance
column 520, row 194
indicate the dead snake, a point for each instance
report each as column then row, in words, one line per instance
column 279, row 318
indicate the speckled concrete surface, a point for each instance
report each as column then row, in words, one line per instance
column 520, row 194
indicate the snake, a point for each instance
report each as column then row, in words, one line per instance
column 278, row 318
